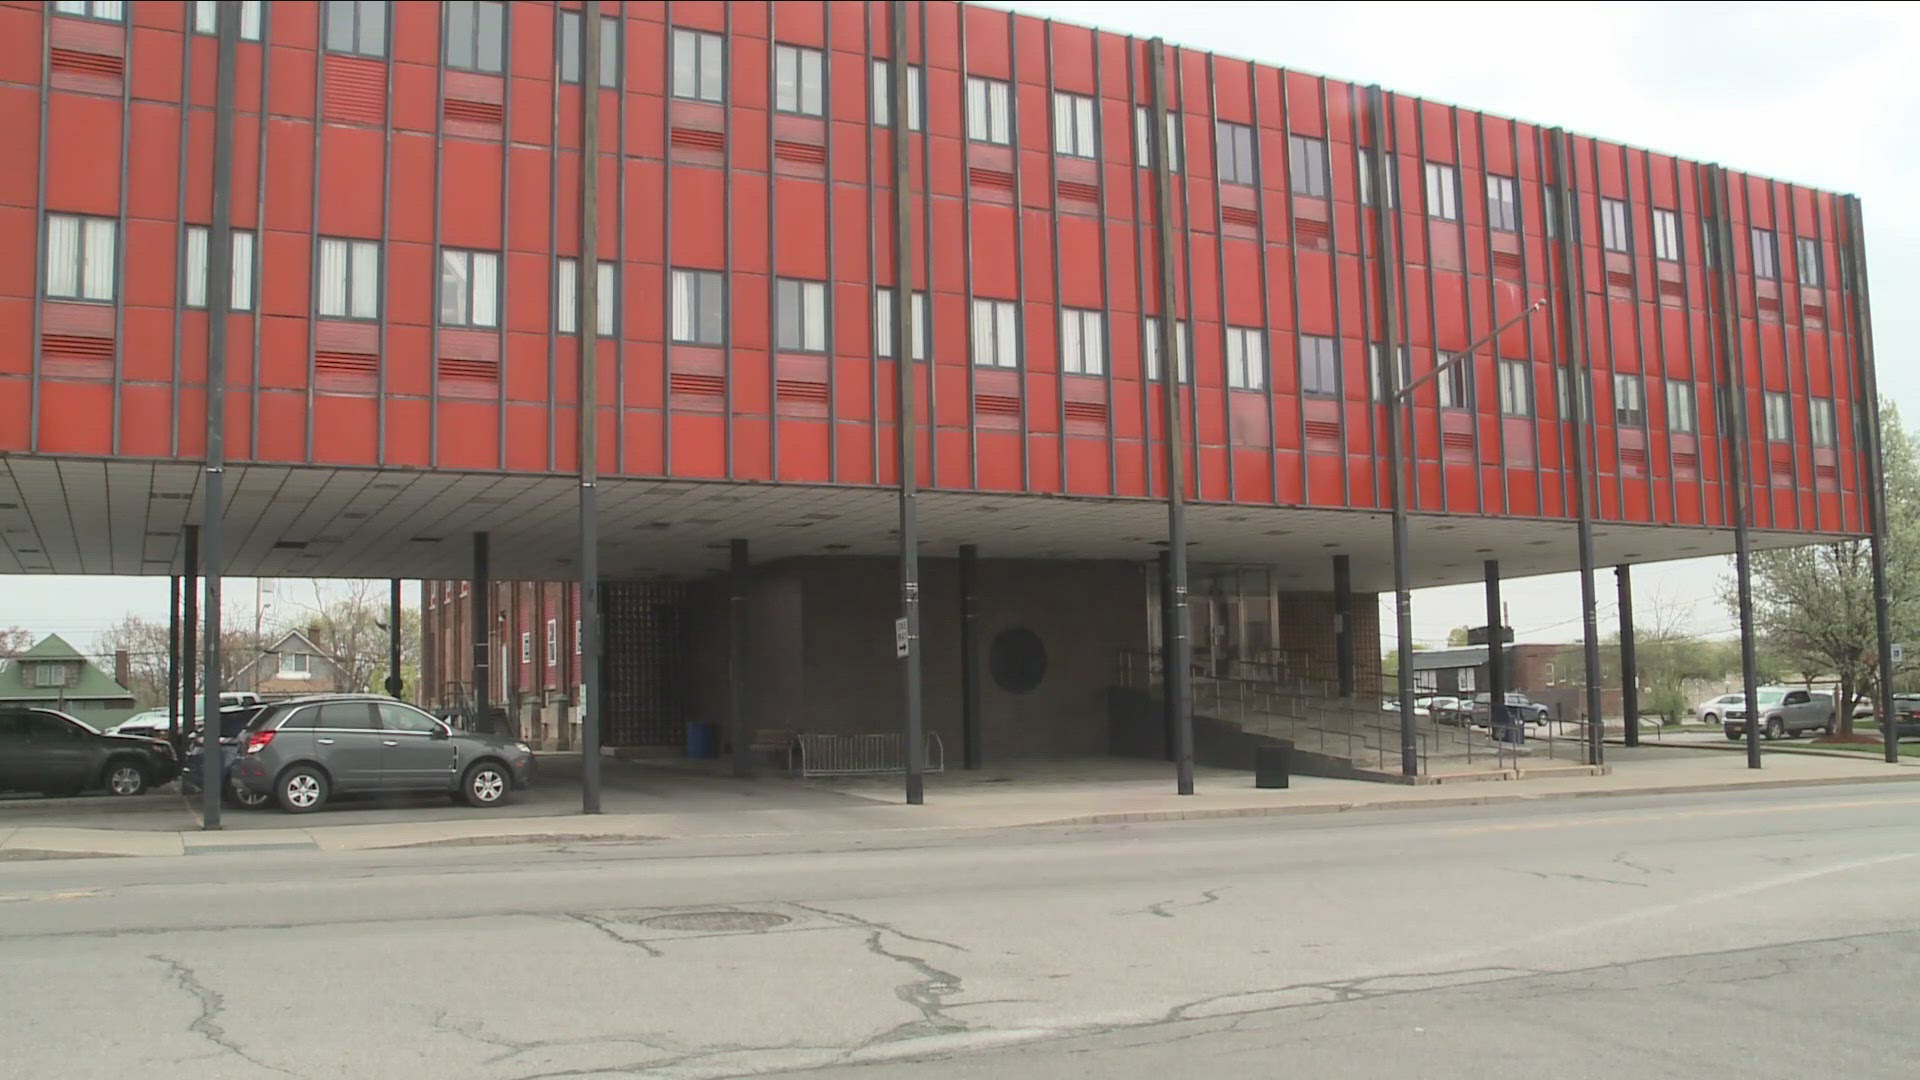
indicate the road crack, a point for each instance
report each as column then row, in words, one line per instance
column 1208, row 896
column 212, row 1004
column 612, row 934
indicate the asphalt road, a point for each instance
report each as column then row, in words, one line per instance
column 1749, row 935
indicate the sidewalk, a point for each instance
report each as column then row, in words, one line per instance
column 1100, row 791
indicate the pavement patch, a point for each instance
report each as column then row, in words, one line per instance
column 14, row 854
column 521, row 838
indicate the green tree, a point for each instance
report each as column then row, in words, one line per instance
column 1457, row 638
column 1814, row 606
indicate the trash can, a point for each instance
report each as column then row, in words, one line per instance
column 700, row 743
column 1272, row 764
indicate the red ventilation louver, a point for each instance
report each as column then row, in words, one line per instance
column 804, row 153
column 355, row 90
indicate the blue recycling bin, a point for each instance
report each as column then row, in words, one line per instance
column 700, row 740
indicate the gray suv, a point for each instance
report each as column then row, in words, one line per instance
column 1783, row 712
column 305, row 751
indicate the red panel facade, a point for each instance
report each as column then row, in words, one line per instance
column 112, row 121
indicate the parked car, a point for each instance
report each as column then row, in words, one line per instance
column 305, row 751
column 1783, row 712
column 1906, row 716
column 233, row 720
column 151, row 723
column 1530, row 711
column 1444, row 710
column 1714, row 710
column 50, row 752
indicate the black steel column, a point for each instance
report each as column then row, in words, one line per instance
column 1167, row 711
column 906, row 424
column 738, row 580
column 1733, row 368
column 482, row 616
column 1496, row 657
column 189, row 625
column 970, row 654
column 1177, row 650
column 1343, row 622
column 1629, row 665
column 1869, row 425
column 394, row 682
column 1385, row 267
column 173, row 662
column 587, row 296
column 1579, row 396
column 219, row 292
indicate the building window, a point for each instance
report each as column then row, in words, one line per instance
column 799, row 80
column 1319, row 366
column 1376, row 364
column 1443, row 191
column 1236, row 162
column 476, row 34
column 104, row 10
column 1073, row 127
column 469, row 288
column 1182, row 344
column 1456, row 383
column 1516, row 388
column 1143, row 143
column 609, row 51
column 1503, row 203
column 989, row 111
column 1083, row 337
column 1821, row 417
column 1666, row 235
column 50, row 675
column 1681, row 416
column 1551, row 194
column 883, row 323
column 1307, row 165
column 553, row 642
column 996, row 333
column 883, row 95
column 1806, row 259
column 349, row 279
column 80, row 257
column 241, row 298
column 699, row 66
column 296, row 664
column 526, row 646
column 1629, row 401
column 1779, row 417
column 699, row 308
column 1366, row 179
column 800, row 315
column 204, row 21
column 1566, row 405
column 1614, row 234
column 566, row 303
column 576, row 637
column 357, row 26
column 1766, row 255
column 1246, row 358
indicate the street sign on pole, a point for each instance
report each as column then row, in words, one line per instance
column 900, row 640
column 1899, row 654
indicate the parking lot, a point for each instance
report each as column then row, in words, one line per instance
column 626, row 788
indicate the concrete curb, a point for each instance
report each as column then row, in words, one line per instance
column 1469, row 800
column 1741, row 748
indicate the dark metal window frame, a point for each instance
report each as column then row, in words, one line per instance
column 358, row 26
column 1319, row 366
column 1625, row 415
column 799, row 55
column 1144, row 144
column 1616, row 229
column 347, row 278
column 1150, row 348
column 1443, row 202
column 1072, row 143
column 1381, row 393
column 687, row 37
column 1666, row 235
column 474, row 35
column 1307, row 166
column 1681, row 390
column 883, row 330
column 990, row 92
column 790, row 291
column 1237, row 155
column 1516, row 380
column 1766, row 253
column 1503, row 203
column 610, row 42
column 91, row 11
column 80, row 260
column 880, row 94
column 1092, row 358
column 187, row 275
column 987, row 354
column 702, row 285
column 210, row 7
column 1807, row 257
column 467, row 321
column 1248, row 338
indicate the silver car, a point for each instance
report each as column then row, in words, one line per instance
column 1783, row 711
column 305, row 751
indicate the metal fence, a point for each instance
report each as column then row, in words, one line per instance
column 859, row 755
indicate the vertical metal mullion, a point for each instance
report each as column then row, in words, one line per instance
column 1186, row 279
column 1220, row 271
column 1550, row 199
column 1606, row 329
column 179, row 241
column 966, row 228
column 926, row 255
column 1396, row 217
column 582, row 273
column 1590, row 476
column 506, row 243
column 1760, row 357
column 1266, row 298
column 1469, row 375
column 386, row 218
column 1053, row 228
column 1106, row 266
column 1367, row 299
column 1139, row 263
column 254, row 273
column 1706, row 241
column 773, row 262
column 726, row 230
column 833, row 266
column 1019, row 252
column 313, row 252
column 40, row 232
column 1526, row 286
column 1433, row 313
column 1826, row 337
column 666, row 245
column 1660, row 343
column 1493, row 311
column 1786, row 357
column 586, row 294
column 1293, row 291
column 1339, row 324
column 1800, row 332
column 119, row 238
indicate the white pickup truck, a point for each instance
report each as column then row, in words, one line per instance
column 1783, row 712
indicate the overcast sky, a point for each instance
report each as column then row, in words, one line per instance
column 1826, row 99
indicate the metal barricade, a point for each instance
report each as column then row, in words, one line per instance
column 859, row 755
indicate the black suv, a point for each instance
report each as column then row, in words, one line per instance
column 51, row 752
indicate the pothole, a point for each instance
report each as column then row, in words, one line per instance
column 716, row 921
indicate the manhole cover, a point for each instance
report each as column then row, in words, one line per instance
column 717, row 921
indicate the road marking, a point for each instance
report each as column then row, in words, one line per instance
column 1571, row 820
column 76, row 894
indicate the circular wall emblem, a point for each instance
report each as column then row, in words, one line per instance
column 1018, row 660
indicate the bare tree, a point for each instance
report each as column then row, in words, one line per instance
column 351, row 628
column 145, row 643
column 14, row 640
